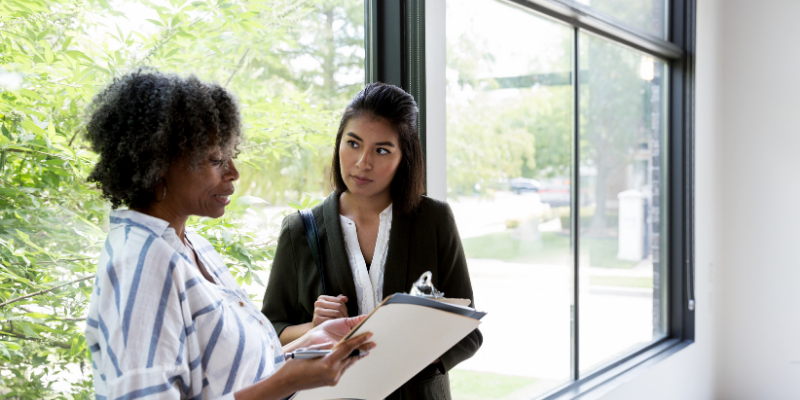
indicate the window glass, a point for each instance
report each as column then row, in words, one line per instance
column 509, row 152
column 646, row 15
column 622, row 96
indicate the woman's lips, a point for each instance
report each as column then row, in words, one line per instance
column 361, row 181
column 224, row 199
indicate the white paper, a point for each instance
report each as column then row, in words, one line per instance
column 408, row 337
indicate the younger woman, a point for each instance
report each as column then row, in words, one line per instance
column 377, row 233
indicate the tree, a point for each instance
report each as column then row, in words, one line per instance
column 54, row 56
column 505, row 127
column 612, row 114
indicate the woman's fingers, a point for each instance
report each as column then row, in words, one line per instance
column 344, row 349
column 332, row 303
column 321, row 346
column 328, row 313
column 353, row 322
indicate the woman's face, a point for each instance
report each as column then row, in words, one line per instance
column 203, row 191
column 369, row 155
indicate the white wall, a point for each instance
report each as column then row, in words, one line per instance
column 758, row 353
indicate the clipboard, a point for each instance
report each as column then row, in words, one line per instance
column 411, row 332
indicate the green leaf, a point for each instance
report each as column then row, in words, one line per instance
column 258, row 280
column 78, row 54
column 31, row 94
column 171, row 53
column 37, row 315
column 26, row 328
column 226, row 236
column 31, row 127
column 27, row 240
column 78, row 344
column 48, row 53
column 294, row 204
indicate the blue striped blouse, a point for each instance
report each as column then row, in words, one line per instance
column 157, row 329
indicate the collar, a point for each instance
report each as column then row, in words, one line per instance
column 385, row 215
column 156, row 226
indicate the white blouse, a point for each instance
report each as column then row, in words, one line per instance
column 369, row 284
column 158, row 329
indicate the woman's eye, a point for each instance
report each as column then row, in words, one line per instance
column 216, row 162
column 383, row 151
column 352, row 144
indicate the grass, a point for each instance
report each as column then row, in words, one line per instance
column 471, row 385
column 625, row 281
column 553, row 249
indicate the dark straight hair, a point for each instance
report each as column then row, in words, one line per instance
column 398, row 108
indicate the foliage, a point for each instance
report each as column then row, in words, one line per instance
column 552, row 249
column 54, row 56
column 473, row 385
column 614, row 118
column 496, row 132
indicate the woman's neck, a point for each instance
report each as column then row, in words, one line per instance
column 363, row 207
column 176, row 220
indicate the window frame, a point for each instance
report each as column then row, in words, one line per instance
column 395, row 54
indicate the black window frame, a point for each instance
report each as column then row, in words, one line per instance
column 395, row 54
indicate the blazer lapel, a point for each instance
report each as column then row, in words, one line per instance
column 339, row 271
column 396, row 267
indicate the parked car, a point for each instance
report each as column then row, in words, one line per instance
column 519, row 185
column 555, row 192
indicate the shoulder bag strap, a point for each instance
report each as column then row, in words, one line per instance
column 312, row 235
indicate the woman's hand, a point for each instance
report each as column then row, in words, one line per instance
column 330, row 332
column 327, row 370
column 328, row 307
column 297, row 375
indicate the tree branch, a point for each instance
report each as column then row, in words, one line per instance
column 14, row 300
column 238, row 67
column 16, row 150
column 54, row 261
column 52, row 342
column 74, row 135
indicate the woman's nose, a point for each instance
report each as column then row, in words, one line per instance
column 364, row 161
column 232, row 173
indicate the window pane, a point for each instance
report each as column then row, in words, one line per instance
column 649, row 16
column 621, row 126
column 509, row 152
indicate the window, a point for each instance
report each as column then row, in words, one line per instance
column 509, row 165
column 562, row 133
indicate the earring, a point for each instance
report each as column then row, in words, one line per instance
column 164, row 194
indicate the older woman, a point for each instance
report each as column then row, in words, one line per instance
column 167, row 319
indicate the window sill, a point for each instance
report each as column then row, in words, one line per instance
column 601, row 382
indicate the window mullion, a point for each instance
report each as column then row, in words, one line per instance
column 575, row 207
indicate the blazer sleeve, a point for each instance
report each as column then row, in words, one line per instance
column 455, row 283
column 281, row 304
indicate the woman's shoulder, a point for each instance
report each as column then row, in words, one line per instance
column 126, row 244
column 431, row 209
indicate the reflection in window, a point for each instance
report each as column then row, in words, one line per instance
column 648, row 16
column 509, row 156
column 621, row 123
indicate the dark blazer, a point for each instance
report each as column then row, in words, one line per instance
column 425, row 241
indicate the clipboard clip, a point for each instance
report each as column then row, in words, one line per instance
column 424, row 288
